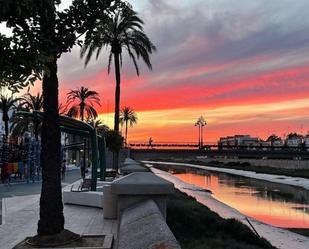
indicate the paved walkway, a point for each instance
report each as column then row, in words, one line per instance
column 23, row 188
column 21, row 215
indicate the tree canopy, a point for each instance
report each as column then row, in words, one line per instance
column 41, row 33
column 23, row 55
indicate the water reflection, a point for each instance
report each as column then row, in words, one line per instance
column 276, row 204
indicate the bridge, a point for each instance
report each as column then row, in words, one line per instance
column 166, row 152
column 173, row 145
column 189, row 145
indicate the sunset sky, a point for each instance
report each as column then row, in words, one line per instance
column 242, row 64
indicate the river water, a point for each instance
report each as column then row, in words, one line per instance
column 272, row 203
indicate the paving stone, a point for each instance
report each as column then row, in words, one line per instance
column 22, row 214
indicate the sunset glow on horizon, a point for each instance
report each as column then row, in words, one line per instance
column 241, row 67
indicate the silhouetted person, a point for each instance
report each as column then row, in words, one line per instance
column 150, row 142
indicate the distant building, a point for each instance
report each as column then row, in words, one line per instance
column 238, row 141
column 294, row 140
column 306, row 141
column 277, row 143
column 264, row 144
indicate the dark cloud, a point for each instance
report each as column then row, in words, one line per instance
column 229, row 41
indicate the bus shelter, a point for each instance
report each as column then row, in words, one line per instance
column 82, row 129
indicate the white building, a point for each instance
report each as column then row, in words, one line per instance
column 294, row 141
column 238, row 141
column 306, row 141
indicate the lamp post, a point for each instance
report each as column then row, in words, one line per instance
column 200, row 123
column 199, row 134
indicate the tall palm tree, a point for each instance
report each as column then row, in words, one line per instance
column 7, row 104
column 123, row 30
column 128, row 116
column 86, row 100
column 33, row 103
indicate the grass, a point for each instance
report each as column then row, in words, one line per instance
column 301, row 231
column 195, row 226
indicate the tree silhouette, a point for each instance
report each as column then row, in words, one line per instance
column 86, row 100
column 123, row 30
column 128, row 117
column 7, row 104
column 98, row 125
column 293, row 135
column 33, row 103
column 41, row 33
column 272, row 138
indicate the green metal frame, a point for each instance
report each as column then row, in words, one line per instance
column 76, row 127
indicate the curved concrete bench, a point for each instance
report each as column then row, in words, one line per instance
column 143, row 227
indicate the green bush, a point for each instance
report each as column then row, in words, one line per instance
column 114, row 140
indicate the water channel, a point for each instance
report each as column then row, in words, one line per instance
column 272, row 203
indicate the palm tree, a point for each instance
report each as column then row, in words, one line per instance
column 98, row 125
column 20, row 124
column 62, row 109
column 128, row 116
column 123, row 30
column 7, row 104
column 86, row 99
column 33, row 103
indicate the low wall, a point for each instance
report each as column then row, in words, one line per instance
column 144, row 154
column 273, row 163
column 184, row 156
column 143, row 227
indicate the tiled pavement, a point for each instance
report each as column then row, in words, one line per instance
column 22, row 213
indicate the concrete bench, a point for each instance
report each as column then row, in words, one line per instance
column 143, row 227
column 138, row 187
column 88, row 198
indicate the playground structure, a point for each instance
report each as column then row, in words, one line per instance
column 22, row 161
column 75, row 127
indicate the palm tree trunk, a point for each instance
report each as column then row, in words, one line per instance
column 117, row 106
column 117, row 92
column 126, row 133
column 51, row 219
column 51, row 207
column 82, row 113
column 6, row 124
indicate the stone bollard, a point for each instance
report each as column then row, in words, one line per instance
column 109, row 203
column 140, row 186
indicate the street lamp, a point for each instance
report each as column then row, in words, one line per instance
column 199, row 134
column 200, row 123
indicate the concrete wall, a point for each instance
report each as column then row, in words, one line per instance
column 201, row 156
column 156, row 154
column 139, row 154
column 143, row 227
column 273, row 163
